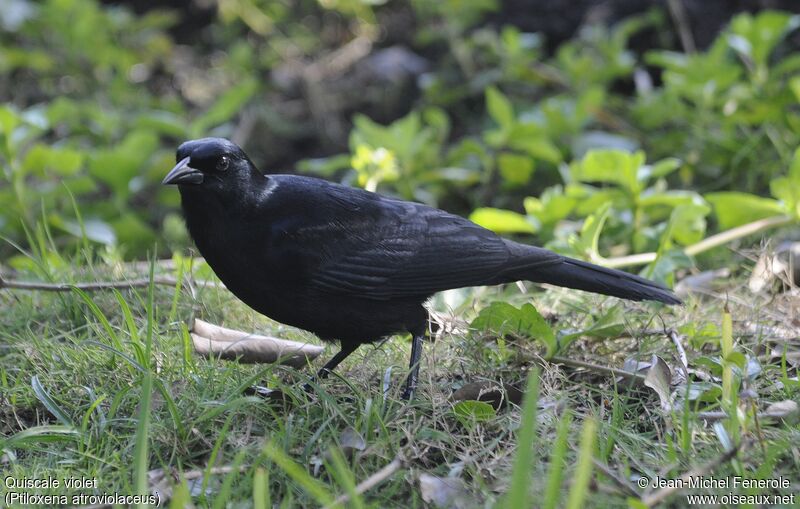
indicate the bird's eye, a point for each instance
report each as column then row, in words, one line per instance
column 223, row 163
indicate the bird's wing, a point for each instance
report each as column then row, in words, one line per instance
column 398, row 249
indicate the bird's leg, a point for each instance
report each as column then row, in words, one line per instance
column 347, row 349
column 416, row 354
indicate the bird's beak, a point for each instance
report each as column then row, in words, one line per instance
column 182, row 173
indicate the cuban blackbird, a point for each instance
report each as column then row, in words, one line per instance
column 348, row 264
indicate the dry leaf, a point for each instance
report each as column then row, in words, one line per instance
column 212, row 340
column 785, row 410
column 448, row 492
column 783, row 263
column 659, row 379
column 351, row 441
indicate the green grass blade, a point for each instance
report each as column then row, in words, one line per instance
column 557, row 457
column 583, row 471
column 141, row 453
column 344, row 476
column 261, row 495
column 312, row 486
column 49, row 403
column 224, row 495
column 37, row 434
column 517, row 495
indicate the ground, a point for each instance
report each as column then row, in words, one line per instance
column 74, row 403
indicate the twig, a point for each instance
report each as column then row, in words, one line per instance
column 678, row 13
column 704, row 245
column 719, row 415
column 658, row 496
column 595, row 367
column 373, row 480
column 621, row 483
column 12, row 284
column 676, row 340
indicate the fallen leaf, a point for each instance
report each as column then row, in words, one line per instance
column 702, row 282
column 782, row 263
column 351, row 441
column 659, row 379
column 212, row 340
column 448, row 492
column 785, row 410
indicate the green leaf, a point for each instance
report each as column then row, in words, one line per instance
column 688, row 223
column 737, row 358
column 735, row 209
column 41, row 159
column 670, row 199
column 588, row 243
column 538, row 146
column 502, row 221
column 612, row 166
column 659, row 169
column 503, row 318
column 668, row 261
column 500, row 109
column 756, row 36
column 470, row 412
column 515, row 168
column 552, row 206
column 118, row 165
column 787, row 189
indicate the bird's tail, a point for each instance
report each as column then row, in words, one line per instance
column 586, row 276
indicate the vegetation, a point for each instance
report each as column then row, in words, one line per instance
column 655, row 160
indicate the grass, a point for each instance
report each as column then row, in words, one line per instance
column 104, row 385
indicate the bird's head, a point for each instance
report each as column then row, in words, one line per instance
column 211, row 164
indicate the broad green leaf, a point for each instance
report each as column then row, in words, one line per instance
column 552, row 206
column 735, row 209
column 118, row 165
column 41, row 159
column 659, row 169
column 514, row 168
column 757, row 35
column 589, row 241
column 470, row 412
column 663, row 269
column 669, row 199
column 612, row 166
column 688, row 222
column 787, row 189
column 538, row 146
column 163, row 122
column 326, row 166
column 404, row 131
column 503, row 318
column 369, row 133
column 500, row 108
column 502, row 221
column 9, row 120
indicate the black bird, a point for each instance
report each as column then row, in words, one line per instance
column 348, row 264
